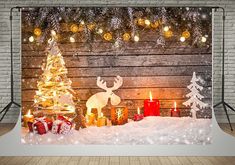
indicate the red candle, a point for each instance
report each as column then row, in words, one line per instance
column 138, row 116
column 174, row 111
column 151, row 106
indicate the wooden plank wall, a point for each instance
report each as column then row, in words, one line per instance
column 144, row 66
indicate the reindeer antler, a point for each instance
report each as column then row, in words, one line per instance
column 101, row 83
column 117, row 83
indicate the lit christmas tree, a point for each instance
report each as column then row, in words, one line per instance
column 54, row 88
column 195, row 97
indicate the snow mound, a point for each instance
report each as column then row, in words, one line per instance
column 150, row 130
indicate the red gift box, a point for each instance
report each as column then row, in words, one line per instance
column 61, row 126
column 40, row 125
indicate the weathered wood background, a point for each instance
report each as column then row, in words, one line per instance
column 144, row 66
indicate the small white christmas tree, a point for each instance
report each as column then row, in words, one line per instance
column 195, row 97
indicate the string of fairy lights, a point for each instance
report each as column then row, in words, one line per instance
column 118, row 25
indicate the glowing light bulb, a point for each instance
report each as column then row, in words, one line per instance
column 100, row 31
column 182, row 39
column 116, row 44
column 136, row 38
column 31, row 39
column 82, row 22
column 53, row 33
column 72, row 39
column 147, row 22
column 166, row 28
column 150, row 96
column 203, row 39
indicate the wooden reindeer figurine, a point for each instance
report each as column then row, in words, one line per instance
column 100, row 100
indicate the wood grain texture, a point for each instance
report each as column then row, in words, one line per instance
column 103, row 48
column 129, row 82
column 144, row 66
column 135, row 93
column 123, row 61
column 130, row 160
column 127, row 71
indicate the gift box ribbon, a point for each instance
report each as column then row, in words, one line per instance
column 43, row 121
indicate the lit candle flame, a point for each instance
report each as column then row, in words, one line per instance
column 138, row 111
column 150, row 96
column 175, row 105
column 101, row 114
column 119, row 114
column 28, row 113
column 54, row 93
column 87, row 118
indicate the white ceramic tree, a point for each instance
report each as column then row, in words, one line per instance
column 195, row 97
column 100, row 100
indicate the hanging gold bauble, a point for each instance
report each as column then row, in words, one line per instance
column 155, row 24
column 37, row 31
column 141, row 22
column 91, row 26
column 186, row 34
column 108, row 36
column 74, row 28
column 168, row 34
column 126, row 37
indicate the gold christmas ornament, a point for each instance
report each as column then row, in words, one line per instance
column 91, row 26
column 74, row 28
column 168, row 34
column 141, row 22
column 126, row 37
column 155, row 24
column 108, row 36
column 37, row 31
column 186, row 34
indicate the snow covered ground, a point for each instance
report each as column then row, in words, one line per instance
column 150, row 130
